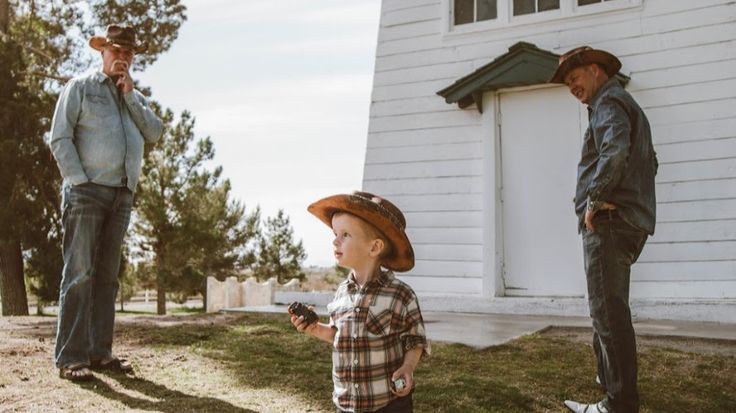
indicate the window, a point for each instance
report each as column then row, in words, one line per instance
column 469, row 11
column 466, row 16
column 586, row 2
column 534, row 6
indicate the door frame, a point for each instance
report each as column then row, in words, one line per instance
column 493, row 237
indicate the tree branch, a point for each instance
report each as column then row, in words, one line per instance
column 63, row 79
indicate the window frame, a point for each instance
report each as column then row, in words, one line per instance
column 505, row 15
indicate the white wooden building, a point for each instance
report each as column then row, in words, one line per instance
column 481, row 154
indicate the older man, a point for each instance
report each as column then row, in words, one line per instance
column 97, row 137
column 615, row 204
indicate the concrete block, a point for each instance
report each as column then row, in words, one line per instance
column 258, row 294
column 215, row 295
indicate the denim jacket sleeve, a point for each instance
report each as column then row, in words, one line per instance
column 611, row 130
column 148, row 123
column 61, row 142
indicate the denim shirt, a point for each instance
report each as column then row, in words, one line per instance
column 97, row 135
column 618, row 162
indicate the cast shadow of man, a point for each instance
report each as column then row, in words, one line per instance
column 159, row 398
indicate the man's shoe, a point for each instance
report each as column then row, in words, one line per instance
column 586, row 408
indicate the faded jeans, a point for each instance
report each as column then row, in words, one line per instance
column 95, row 219
column 609, row 253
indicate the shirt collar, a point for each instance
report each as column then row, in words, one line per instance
column 100, row 76
column 611, row 83
column 382, row 280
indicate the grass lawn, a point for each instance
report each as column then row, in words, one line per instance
column 257, row 363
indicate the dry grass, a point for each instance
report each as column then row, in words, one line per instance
column 257, row 363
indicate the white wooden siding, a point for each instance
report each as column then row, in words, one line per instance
column 428, row 157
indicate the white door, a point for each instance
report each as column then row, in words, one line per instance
column 541, row 134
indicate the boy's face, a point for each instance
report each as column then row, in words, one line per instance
column 353, row 246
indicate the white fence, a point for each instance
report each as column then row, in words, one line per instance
column 233, row 294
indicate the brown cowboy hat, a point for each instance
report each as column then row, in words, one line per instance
column 118, row 36
column 585, row 55
column 380, row 213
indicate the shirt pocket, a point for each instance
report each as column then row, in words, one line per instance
column 98, row 107
column 379, row 324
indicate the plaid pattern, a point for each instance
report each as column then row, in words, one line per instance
column 375, row 326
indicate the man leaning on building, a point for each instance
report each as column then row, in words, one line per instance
column 97, row 137
column 616, row 206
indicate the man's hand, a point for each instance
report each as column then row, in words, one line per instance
column 124, row 83
column 121, row 71
column 589, row 220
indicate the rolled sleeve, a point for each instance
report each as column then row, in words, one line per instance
column 612, row 134
column 61, row 143
column 145, row 119
column 414, row 335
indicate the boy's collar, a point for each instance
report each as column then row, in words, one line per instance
column 382, row 279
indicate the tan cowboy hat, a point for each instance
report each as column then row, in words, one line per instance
column 585, row 55
column 380, row 213
column 118, row 36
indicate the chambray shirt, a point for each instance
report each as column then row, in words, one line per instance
column 97, row 133
column 375, row 326
column 618, row 162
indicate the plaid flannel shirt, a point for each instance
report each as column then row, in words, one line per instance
column 375, row 326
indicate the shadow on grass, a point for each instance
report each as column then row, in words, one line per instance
column 159, row 398
column 534, row 373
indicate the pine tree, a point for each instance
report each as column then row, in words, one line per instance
column 185, row 223
column 42, row 44
column 278, row 254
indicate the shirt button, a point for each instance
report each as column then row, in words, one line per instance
column 356, row 385
column 355, row 361
column 355, row 336
column 357, row 309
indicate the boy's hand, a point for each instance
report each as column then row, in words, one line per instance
column 403, row 373
column 301, row 324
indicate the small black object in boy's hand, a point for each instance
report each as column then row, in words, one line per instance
column 298, row 309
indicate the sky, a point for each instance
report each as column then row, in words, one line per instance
column 283, row 90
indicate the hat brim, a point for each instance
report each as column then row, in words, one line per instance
column 586, row 57
column 99, row 43
column 401, row 257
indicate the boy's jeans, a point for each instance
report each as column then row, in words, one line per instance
column 609, row 253
column 401, row 405
column 95, row 219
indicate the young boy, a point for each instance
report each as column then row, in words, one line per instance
column 376, row 328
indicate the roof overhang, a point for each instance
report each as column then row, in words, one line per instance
column 523, row 65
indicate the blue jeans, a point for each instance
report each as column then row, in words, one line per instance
column 95, row 219
column 609, row 253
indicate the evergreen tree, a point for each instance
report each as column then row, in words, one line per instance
column 278, row 254
column 128, row 283
column 185, row 223
column 42, row 44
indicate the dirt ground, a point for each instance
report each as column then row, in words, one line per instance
column 166, row 380
column 174, row 380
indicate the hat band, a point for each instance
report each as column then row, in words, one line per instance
column 388, row 214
